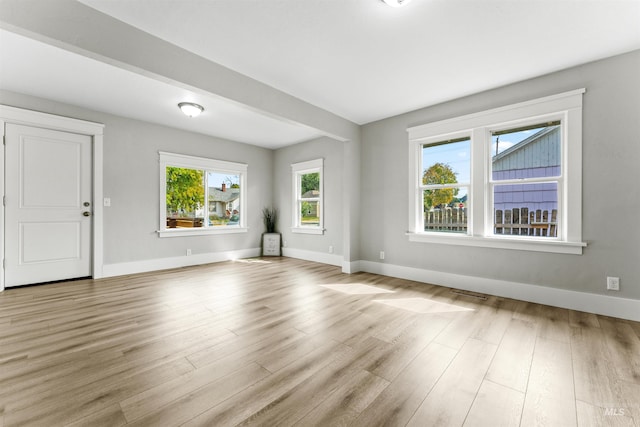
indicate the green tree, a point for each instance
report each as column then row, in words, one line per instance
column 310, row 181
column 185, row 189
column 439, row 173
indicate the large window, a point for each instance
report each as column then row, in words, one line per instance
column 201, row 196
column 308, row 197
column 507, row 178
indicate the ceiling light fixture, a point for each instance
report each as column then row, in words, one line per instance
column 396, row 3
column 191, row 109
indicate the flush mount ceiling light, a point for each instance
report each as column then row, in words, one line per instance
column 191, row 109
column 396, row 3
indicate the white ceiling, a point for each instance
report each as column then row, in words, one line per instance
column 358, row 59
column 42, row 70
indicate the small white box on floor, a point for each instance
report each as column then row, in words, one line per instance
column 271, row 244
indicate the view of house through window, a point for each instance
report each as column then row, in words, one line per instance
column 200, row 194
column 509, row 177
column 525, row 178
column 308, row 197
column 525, row 175
column 224, row 199
column 186, row 191
column 445, row 177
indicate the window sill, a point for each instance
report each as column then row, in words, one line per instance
column 535, row 245
column 182, row 232
column 307, row 230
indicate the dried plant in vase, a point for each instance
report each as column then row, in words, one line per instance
column 270, row 218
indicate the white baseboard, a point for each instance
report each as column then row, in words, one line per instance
column 323, row 258
column 350, row 267
column 606, row 305
column 121, row 269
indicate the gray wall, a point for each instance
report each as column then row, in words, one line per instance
column 365, row 186
column 611, row 175
column 332, row 152
column 72, row 26
column 131, row 180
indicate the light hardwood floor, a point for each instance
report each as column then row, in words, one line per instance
column 270, row 342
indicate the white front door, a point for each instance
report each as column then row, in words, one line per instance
column 48, row 205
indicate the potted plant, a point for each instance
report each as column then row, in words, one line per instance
column 270, row 238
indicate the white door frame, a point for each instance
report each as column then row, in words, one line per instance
column 49, row 121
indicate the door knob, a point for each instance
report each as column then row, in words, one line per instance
column 86, row 213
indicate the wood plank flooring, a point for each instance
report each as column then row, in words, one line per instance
column 263, row 343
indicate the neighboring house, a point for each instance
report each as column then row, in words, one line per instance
column 223, row 201
column 311, row 208
column 535, row 156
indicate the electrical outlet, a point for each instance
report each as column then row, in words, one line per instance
column 107, row 202
column 330, row 249
column 613, row 283
column 381, row 254
column 188, row 252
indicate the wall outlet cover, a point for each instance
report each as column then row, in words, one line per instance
column 613, row 283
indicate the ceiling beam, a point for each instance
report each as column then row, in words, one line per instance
column 73, row 26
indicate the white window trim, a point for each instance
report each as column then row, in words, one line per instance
column 297, row 170
column 565, row 106
column 191, row 162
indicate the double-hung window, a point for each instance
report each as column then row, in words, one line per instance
column 526, row 181
column 201, row 196
column 444, row 184
column 308, row 197
column 509, row 177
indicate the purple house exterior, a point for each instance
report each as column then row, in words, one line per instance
column 535, row 156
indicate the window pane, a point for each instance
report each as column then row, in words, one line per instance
column 310, row 185
column 446, row 197
column 449, row 217
column 184, row 197
column 530, row 153
column 309, row 213
column 526, row 209
column 446, row 163
column 224, row 199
